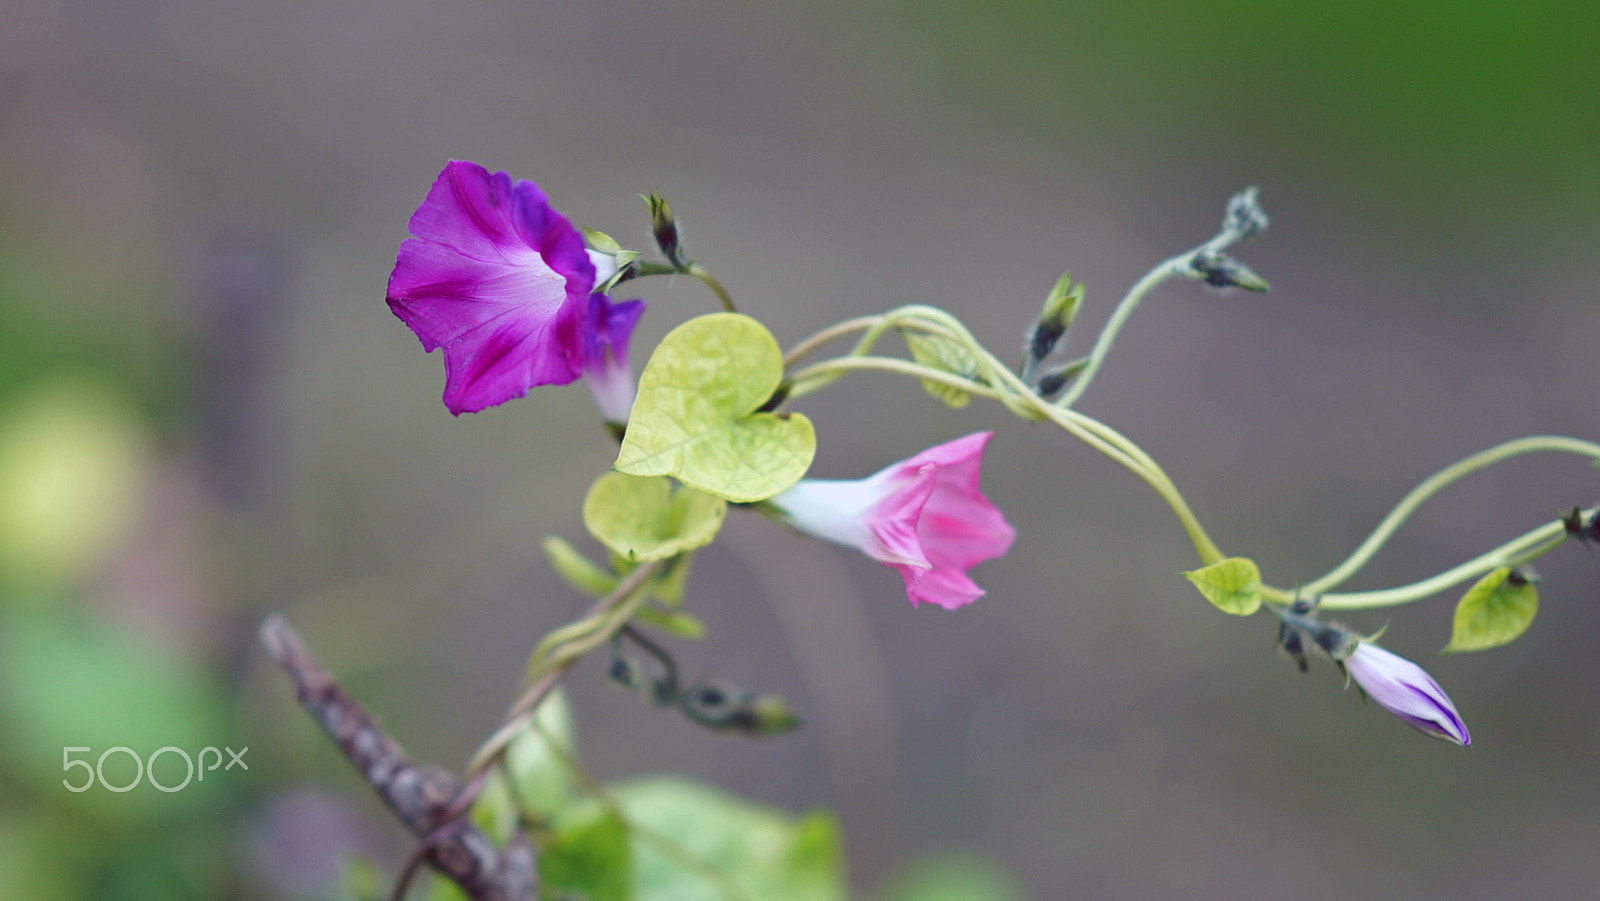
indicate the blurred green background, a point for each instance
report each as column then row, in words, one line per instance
column 207, row 414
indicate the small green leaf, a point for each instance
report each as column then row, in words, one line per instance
column 588, row 856
column 539, row 759
column 1493, row 612
column 704, row 843
column 939, row 352
column 649, row 518
column 1233, row 585
column 697, row 415
column 575, row 569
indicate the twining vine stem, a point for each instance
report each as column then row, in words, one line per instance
column 560, row 650
column 991, row 379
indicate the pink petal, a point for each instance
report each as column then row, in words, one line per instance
column 894, row 521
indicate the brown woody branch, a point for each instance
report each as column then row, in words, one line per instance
column 428, row 800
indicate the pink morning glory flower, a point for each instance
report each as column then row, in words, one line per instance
column 1405, row 690
column 924, row 516
column 502, row 282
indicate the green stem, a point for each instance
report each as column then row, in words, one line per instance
column 838, row 329
column 1178, row 265
column 809, row 379
column 552, row 660
column 1431, row 486
column 1023, row 400
column 1519, row 550
column 994, row 380
column 872, row 328
column 693, row 270
column 1119, row 316
column 697, row 271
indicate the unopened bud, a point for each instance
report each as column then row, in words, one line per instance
column 1060, row 306
column 1222, row 271
column 1407, row 691
column 1056, row 379
column 665, row 229
column 1392, row 682
column 723, row 706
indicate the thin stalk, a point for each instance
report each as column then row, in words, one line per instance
column 1431, row 486
column 1119, row 316
column 818, row 374
column 1519, row 550
column 693, row 270
column 605, row 618
column 699, row 272
column 838, row 329
column 1006, row 387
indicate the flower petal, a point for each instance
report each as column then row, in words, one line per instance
column 942, row 585
column 1406, row 690
column 924, row 516
column 895, row 520
column 499, row 280
column 605, row 355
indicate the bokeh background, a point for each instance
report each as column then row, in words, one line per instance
column 207, row 414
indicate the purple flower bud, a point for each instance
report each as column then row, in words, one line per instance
column 1405, row 690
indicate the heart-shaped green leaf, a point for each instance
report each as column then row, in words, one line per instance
column 1493, row 612
column 945, row 354
column 695, row 417
column 642, row 518
column 1233, row 585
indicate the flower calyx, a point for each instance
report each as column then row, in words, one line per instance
column 1221, row 271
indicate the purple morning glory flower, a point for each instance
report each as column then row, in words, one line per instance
column 924, row 516
column 502, row 282
column 1405, row 690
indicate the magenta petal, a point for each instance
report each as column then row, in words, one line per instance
column 610, row 325
column 499, row 280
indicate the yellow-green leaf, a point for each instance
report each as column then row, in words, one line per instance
column 577, row 570
column 1233, row 585
column 650, row 518
column 697, row 415
column 939, row 352
column 1493, row 612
